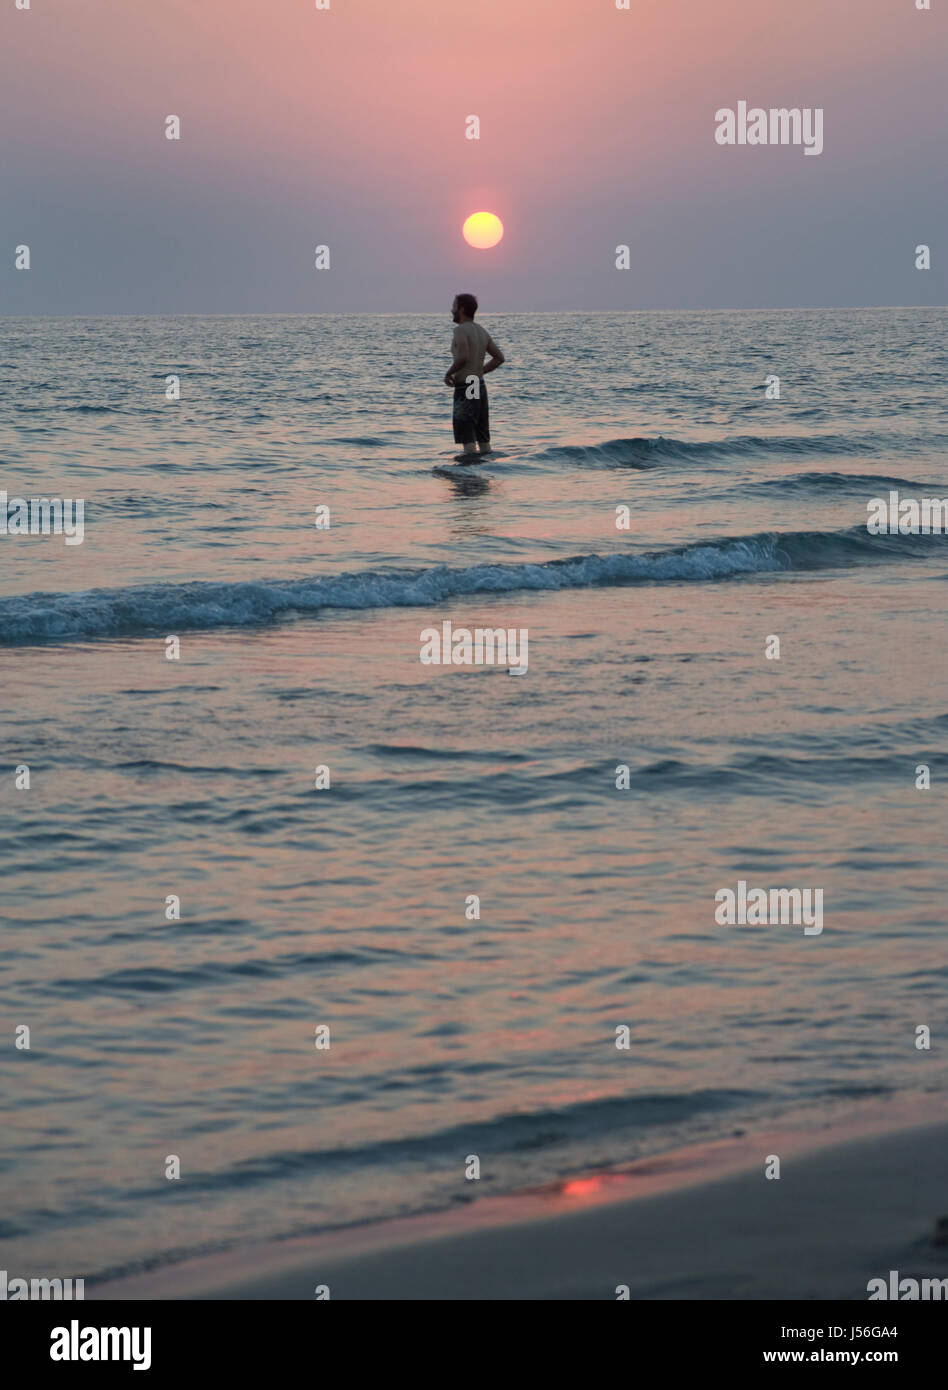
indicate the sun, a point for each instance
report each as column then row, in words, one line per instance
column 482, row 229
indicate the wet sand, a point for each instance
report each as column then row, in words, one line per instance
column 700, row 1224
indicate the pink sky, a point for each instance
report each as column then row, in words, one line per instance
column 346, row 126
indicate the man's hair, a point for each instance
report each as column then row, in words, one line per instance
column 468, row 303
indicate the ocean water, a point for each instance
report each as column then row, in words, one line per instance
column 454, row 1035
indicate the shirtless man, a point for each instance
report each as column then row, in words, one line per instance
column 469, row 345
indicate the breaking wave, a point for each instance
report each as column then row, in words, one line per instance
column 150, row 608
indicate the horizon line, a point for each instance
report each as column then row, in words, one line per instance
column 441, row 313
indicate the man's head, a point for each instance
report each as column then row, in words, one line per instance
column 464, row 308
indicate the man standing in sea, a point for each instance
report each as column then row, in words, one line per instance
column 469, row 346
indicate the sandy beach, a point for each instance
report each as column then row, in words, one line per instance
column 701, row 1224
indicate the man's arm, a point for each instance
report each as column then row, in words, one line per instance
column 457, row 365
column 495, row 357
column 458, row 358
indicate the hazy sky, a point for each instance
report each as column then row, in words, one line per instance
column 346, row 127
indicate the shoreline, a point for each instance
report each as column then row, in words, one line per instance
column 852, row 1203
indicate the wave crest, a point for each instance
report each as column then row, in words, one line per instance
column 640, row 452
column 146, row 609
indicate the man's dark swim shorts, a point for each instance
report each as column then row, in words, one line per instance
column 471, row 417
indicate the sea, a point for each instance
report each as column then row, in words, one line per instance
column 296, row 926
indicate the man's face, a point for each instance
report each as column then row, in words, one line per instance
column 454, row 312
